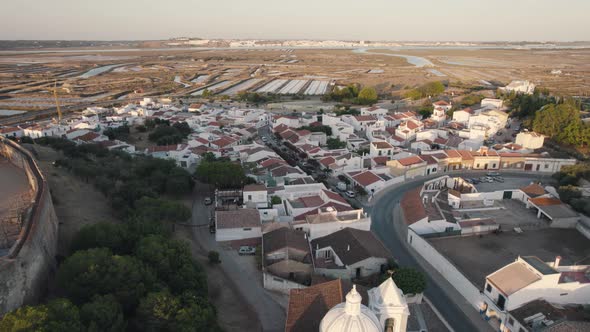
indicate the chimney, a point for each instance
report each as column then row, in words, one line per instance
column 557, row 261
column 348, row 247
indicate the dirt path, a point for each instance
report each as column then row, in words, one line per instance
column 233, row 313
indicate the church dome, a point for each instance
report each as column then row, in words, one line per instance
column 351, row 316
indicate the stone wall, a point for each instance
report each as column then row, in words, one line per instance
column 24, row 271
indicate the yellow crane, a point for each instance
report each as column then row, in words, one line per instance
column 56, row 101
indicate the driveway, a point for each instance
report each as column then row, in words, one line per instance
column 240, row 269
column 387, row 223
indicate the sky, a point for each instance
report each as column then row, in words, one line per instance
column 395, row 20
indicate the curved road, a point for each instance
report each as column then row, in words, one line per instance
column 386, row 216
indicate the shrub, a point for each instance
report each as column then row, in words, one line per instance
column 213, row 257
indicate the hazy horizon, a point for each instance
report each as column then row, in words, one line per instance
column 384, row 20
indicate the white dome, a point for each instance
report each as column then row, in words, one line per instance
column 351, row 316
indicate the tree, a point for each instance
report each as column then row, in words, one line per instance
column 161, row 210
column 178, row 182
column 162, row 311
column 104, row 313
column 172, row 262
column 103, row 235
column 55, row 316
column 568, row 193
column 409, row 280
column 471, row 100
column 367, row 96
column 429, row 89
column 274, row 200
column 213, row 257
column 223, row 174
column 335, row 143
column 98, row 272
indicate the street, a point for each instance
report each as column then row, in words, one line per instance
column 241, row 270
column 387, row 222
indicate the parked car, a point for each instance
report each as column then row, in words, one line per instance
column 350, row 194
column 341, row 186
column 264, row 139
column 247, row 250
column 208, row 201
column 499, row 179
column 493, row 174
column 475, row 181
column 489, row 179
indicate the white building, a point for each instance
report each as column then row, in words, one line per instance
column 530, row 140
column 520, row 86
column 492, row 102
column 349, row 253
column 327, row 220
column 240, row 224
column 255, row 196
column 528, row 279
column 387, row 311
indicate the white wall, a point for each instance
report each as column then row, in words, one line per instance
column 272, row 282
column 231, row 234
column 445, row 268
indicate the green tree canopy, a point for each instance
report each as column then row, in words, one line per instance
column 562, row 122
column 103, row 235
column 162, row 311
column 56, row 316
column 98, row 272
column 335, row 143
column 222, row 174
column 104, row 313
column 430, row 89
column 409, row 280
column 367, row 96
column 173, row 263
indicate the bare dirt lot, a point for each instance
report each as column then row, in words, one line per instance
column 232, row 312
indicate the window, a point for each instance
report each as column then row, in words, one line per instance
column 510, row 321
column 546, row 166
column 249, row 197
column 505, row 165
column 493, row 165
column 489, row 288
column 477, row 166
column 247, row 229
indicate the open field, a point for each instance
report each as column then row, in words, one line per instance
column 27, row 80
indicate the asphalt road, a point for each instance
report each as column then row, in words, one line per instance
column 385, row 212
column 246, row 279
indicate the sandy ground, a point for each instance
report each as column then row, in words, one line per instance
column 232, row 312
column 76, row 202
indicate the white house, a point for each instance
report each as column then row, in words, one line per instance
column 439, row 114
column 327, row 220
column 378, row 149
column 492, row 102
column 528, row 279
column 520, row 86
column 446, row 106
column 374, row 110
column 530, row 140
column 255, row 196
column 240, row 224
column 349, row 253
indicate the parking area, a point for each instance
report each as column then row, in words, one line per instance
column 476, row 257
column 510, row 183
column 512, row 213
